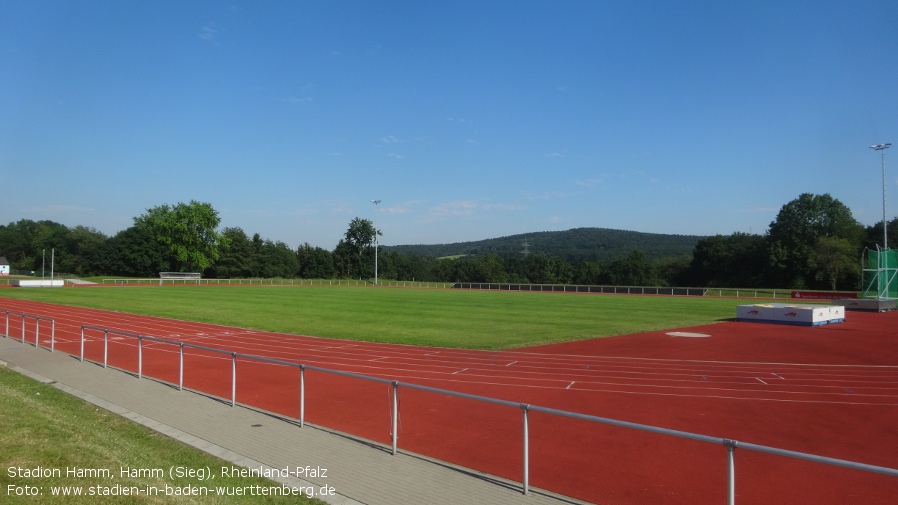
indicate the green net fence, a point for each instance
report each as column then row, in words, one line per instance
column 880, row 272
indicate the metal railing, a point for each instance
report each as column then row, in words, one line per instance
column 274, row 282
column 582, row 288
column 37, row 327
column 627, row 290
column 729, row 444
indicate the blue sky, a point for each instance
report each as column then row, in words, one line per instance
column 468, row 120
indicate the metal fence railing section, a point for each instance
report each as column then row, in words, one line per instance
column 395, row 385
column 25, row 318
column 729, row 444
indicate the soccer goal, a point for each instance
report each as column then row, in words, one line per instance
column 182, row 277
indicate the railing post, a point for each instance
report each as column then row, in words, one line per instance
column 181, row 367
column 394, row 431
column 302, row 395
column 233, row 379
column 37, row 332
column 139, row 357
column 52, row 335
column 6, row 332
column 731, row 470
column 526, row 477
column 23, row 328
column 82, row 342
column 105, row 347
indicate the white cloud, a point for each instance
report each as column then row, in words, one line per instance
column 56, row 210
column 208, row 33
column 401, row 208
column 548, row 195
column 396, row 156
column 338, row 207
column 389, row 139
column 589, row 183
column 456, row 208
column 469, row 208
column 501, row 206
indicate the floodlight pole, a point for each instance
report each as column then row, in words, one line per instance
column 375, row 202
column 885, row 224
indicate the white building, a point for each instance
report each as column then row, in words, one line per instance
column 4, row 266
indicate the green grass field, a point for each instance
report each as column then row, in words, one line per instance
column 43, row 424
column 432, row 317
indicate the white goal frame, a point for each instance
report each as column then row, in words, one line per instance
column 185, row 277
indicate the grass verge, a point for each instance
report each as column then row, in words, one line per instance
column 48, row 432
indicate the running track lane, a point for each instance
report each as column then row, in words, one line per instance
column 828, row 390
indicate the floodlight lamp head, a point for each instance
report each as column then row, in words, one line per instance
column 880, row 147
column 375, row 202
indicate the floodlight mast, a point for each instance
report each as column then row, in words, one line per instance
column 375, row 202
column 885, row 224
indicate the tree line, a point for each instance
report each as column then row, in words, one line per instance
column 814, row 243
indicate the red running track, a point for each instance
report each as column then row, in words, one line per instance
column 830, row 391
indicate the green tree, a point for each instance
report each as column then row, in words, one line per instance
column 135, row 252
column 276, row 259
column 343, row 259
column 357, row 246
column 543, row 269
column 673, row 270
column 235, row 256
column 410, row 267
column 29, row 245
column 737, row 260
column 589, row 272
column 875, row 235
column 17, row 241
column 799, row 225
column 836, row 260
column 188, row 231
column 315, row 262
column 493, row 268
column 84, row 251
column 483, row 268
column 632, row 270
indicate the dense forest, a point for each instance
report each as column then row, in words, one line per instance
column 814, row 243
column 574, row 246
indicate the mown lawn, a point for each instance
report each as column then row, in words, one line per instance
column 48, row 432
column 432, row 317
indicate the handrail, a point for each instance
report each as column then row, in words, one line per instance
column 37, row 327
column 729, row 444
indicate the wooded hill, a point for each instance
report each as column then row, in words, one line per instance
column 576, row 245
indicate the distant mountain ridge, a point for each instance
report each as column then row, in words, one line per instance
column 575, row 245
